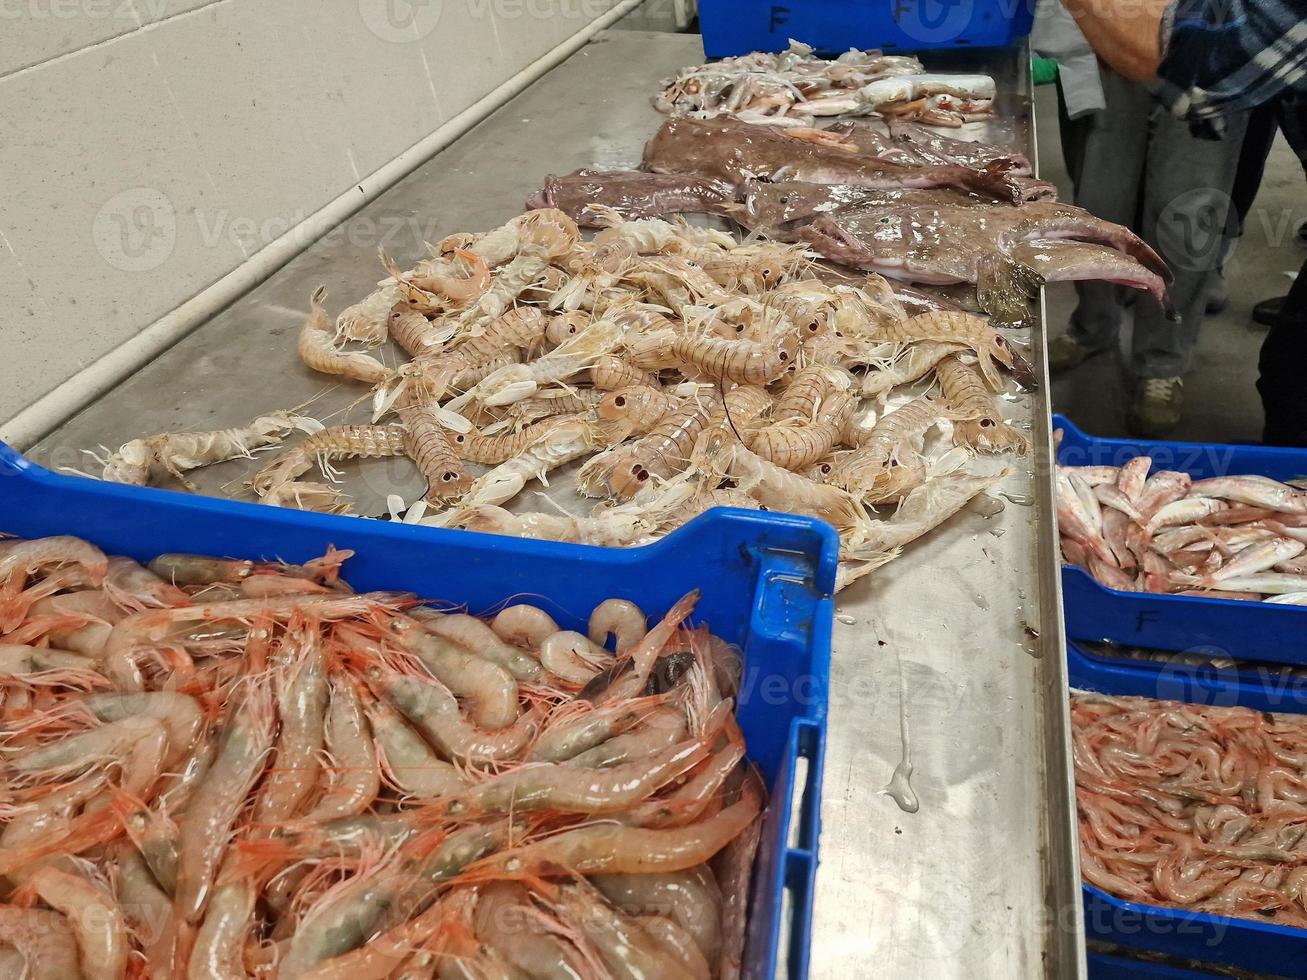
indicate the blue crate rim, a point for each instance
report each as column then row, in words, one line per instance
column 824, row 570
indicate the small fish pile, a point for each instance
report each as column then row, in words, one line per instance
column 1193, row 807
column 221, row 769
column 1227, row 537
column 680, row 371
column 794, row 87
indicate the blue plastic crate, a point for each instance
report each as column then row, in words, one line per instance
column 767, row 582
column 733, row 27
column 1221, row 627
column 1244, row 943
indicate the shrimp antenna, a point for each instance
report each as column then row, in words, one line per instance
column 726, row 408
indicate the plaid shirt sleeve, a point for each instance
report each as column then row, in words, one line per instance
column 1224, row 56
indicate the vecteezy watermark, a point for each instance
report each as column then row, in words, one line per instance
column 1191, row 228
column 136, row 230
column 400, row 21
column 932, row 20
column 131, row 12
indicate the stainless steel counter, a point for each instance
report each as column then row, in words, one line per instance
column 949, row 658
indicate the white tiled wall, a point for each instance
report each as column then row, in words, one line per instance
column 147, row 147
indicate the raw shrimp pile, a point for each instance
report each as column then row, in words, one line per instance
column 1227, row 537
column 681, row 371
column 793, row 87
column 1194, row 807
column 222, row 769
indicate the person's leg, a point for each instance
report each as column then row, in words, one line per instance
column 1186, row 200
column 1072, row 133
column 1257, row 141
column 1281, row 385
column 1111, row 172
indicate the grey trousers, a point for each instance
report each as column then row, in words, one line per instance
column 1142, row 168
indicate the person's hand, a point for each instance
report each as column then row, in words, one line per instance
column 1123, row 33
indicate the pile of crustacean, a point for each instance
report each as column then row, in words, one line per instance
column 1193, row 806
column 219, row 769
column 811, row 366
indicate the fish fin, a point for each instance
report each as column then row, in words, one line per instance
column 1004, row 288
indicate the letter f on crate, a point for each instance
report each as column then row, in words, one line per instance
column 1143, row 618
column 778, row 16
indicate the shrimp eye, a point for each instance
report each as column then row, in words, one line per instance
column 739, row 328
column 642, row 475
column 986, row 423
column 784, row 356
column 620, row 401
column 785, row 199
column 460, row 438
column 449, row 476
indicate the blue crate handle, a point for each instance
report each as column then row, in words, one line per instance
column 1225, row 627
column 1245, row 943
column 768, row 583
column 782, row 618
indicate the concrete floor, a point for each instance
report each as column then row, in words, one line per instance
column 1221, row 403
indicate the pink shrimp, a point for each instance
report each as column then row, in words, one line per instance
column 302, row 696
column 71, row 561
column 355, row 766
column 45, row 940
column 242, row 757
column 134, row 587
column 643, row 654
column 605, row 848
column 574, row 787
column 621, row 619
column 523, row 625
column 95, row 916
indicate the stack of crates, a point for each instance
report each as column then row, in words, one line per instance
column 1235, row 650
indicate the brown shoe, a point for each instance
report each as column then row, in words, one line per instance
column 1065, row 352
column 1155, row 410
